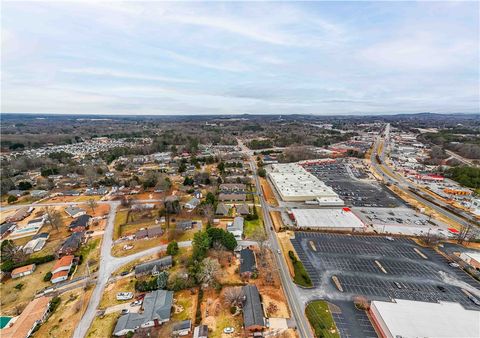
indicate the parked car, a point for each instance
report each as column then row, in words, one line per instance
column 454, row 265
column 125, row 311
column 124, row 273
column 228, row 330
column 136, row 303
column 441, row 288
column 474, row 300
column 124, row 295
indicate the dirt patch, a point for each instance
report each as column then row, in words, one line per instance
column 268, row 192
column 276, row 217
column 284, row 240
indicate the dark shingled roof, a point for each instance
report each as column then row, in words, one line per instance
column 247, row 261
column 81, row 221
column 183, row 325
column 158, row 264
column 252, row 308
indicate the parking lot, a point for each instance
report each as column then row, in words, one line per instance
column 380, row 269
column 345, row 181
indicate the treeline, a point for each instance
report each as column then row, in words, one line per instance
column 466, row 176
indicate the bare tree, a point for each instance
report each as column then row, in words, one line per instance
column 233, row 295
column 92, row 204
column 53, row 217
column 209, row 271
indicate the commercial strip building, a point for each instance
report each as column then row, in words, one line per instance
column 472, row 258
column 406, row 318
column 342, row 219
column 294, row 184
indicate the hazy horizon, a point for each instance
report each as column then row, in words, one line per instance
column 313, row 58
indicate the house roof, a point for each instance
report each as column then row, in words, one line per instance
column 222, row 209
column 5, row 227
column 30, row 315
column 35, row 220
column 183, row 325
column 242, row 209
column 156, row 305
column 248, row 262
column 73, row 210
column 23, row 269
column 81, row 221
column 63, row 262
column 252, row 308
column 59, row 274
column 201, row 331
column 232, row 197
column 43, row 235
column 72, row 242
column 185, row 224
column 237, row 224
column 194, row 201
column 157, row 264
column 154, row 231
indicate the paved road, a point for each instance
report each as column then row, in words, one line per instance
column 403, row 183
column 291, row 290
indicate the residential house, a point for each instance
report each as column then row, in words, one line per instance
column 80, row 224
column 234, row 197
column 253, row 319
column 232, row 187
column 34, row 314
column 71, row 244
column 156, row 311
column 34, row 245
column 248, row 263
column 242, row 209
column 197, row 194
column 184, row 225
column 70, row 193
column 23, row 271
column 192, row 204
column 61, row 269
column 42, row 235
column 20, row 214
column 236, row 227
column 74, row 211
column 6, row 229
column 38, row 193
column 222, row 209
column 149, row 233
column 183, row 328
column 200, row 331
column 36, row 222
column 16, row 193
column 154, row 267
column 100, row 191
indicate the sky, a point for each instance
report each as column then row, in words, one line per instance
column 186, row 58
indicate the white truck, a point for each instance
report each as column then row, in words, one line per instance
column 124, row 295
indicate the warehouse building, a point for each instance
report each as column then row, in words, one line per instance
column 294, row 184
column 342, row 219
column 406, row 318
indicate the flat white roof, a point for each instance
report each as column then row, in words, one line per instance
column 293, row 180
column 408, row 319
column 327, row 218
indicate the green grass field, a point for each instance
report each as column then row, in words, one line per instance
column 321, row 320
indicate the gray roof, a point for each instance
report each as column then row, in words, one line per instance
column 248, row 262
column 222, row 209
column 241, row 196
column 252, row 308
column 237, row 224
column 156, row 306
column 5, row 227
column 158, row 264
column 243, row 209
column 81, row 221
column 200, row 331
column 183, row 325
column 194, row 202
column 73, row 210
column 186, row 224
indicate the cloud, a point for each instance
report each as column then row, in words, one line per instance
column 124, row 75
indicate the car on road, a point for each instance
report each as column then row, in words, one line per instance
column 390, row 238
column 136, row 303
column 125, row 311
column 228, row 330
column 124, row 273
column 454, row 265
column 279, row 251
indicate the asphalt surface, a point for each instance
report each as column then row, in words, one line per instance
column 291, row 290
column 353, row 260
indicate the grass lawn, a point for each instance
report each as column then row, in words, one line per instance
column 63, row 321
column 120, row 219
column 223, row 320
column 140, row 245
column 13, row 299
column 301, row 276
column 188, row 301
column 321, row 320
column 103, row 326
column 89, row 251
column 87, row 198
column 254, row 229
column 110, row 294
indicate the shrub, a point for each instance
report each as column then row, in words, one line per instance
column 11, row 199
column 47, row 276
column 19, row 286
